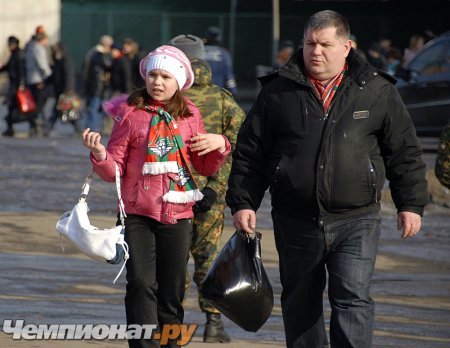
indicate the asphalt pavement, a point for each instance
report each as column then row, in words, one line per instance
column 40, row 178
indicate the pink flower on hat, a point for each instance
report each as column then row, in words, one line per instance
column 170, row 59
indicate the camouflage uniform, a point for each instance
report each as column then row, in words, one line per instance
column 442, row 168
column 221, row 115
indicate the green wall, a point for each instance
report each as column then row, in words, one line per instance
column 154, row 22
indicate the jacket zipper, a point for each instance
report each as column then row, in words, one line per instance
column 373, row 182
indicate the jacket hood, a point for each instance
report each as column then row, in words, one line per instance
column 117, row 108
column 115, row 105
column 202, row 72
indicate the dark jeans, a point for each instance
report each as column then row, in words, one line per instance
column 40, row 93
column 94, row 114
column 156, row 272
column 347, row 250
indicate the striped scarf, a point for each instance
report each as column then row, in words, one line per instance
column 326, row 93
column 166, row 154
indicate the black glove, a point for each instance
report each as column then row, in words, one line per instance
column 206, row 203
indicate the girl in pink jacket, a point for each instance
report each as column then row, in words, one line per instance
column 157, row 135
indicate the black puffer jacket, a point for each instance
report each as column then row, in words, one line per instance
column 98, row 71
column 327, row 169
column 15, row 68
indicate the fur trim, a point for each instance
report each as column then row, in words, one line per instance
column 155, row 168
column 183, row 197
column 116, row 106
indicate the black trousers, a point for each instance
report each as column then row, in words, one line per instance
column 156, row 273
column 40, row 93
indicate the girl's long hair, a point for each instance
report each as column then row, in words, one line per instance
column 177, row 106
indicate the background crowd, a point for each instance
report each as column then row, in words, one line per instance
column 109, row 68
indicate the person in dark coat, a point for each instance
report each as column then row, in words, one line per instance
column 376, row 57
column 97, row 78
column 15, row 67
column 219, row 60
column 121, row 79
column 134, row 54
column 323, row 135
column 64, row 82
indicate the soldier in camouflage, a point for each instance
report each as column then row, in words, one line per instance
column 442, row 168
column 221, row 115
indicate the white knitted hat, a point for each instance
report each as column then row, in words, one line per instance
column 172, row 60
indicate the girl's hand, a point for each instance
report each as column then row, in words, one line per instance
column 205, row 143
column 92, row 141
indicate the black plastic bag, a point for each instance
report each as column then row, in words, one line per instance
column 237, row 284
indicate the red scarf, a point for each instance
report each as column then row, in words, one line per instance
column 326, row 93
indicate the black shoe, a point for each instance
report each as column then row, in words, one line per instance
column 214, row 330
column 8, row 133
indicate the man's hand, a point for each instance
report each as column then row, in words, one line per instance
column 409, row 222
column 245, row 220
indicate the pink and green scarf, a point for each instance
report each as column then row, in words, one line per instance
column 166, row 154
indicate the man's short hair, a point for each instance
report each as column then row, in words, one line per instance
column 106, row 41
column 327, row 19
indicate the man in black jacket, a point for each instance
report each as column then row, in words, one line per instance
column 97, row 78
column 324, row 134
column 16, row 72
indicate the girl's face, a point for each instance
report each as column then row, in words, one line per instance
column 161, row 85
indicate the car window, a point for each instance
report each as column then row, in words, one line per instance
column 433, row 60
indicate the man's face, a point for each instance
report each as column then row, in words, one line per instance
column 12, row 46
column 126, row 48
column 44, row 42
column 324, row 54
column 115, row 52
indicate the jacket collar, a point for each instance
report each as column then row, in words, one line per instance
column 294, row 69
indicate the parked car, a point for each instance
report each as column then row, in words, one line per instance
column 424, row 84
